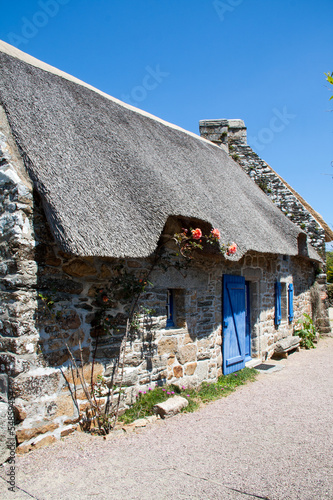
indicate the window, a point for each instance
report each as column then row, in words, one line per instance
column 277, row 303
column 170, row 309
column 284, row 302
column 175, row 308
column 284, row 298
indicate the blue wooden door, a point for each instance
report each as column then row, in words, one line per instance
column 234, row 323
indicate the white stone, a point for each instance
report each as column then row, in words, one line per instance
column 26, row 229
column 236, row 123
column 9, row 176
column 202, row 370
column 4, row 387
column 42, row 371
column 171, row 406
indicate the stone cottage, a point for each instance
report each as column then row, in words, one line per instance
column 93, row 192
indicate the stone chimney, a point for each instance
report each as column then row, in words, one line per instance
column 221, row 132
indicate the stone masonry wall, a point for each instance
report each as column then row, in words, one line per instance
column 272, row 185
column 187, row 354
column 262, row 271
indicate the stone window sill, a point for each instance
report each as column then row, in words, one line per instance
column 172, row 330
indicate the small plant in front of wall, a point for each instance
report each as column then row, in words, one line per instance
column 193, row 239
column 124, row 286
column 124, row 291
column 141, row 317
column 104, row 397
column 48, row 303
column 307, row 332
column 263, row 184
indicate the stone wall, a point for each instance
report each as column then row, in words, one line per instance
column 262, row 271
column 187, row 354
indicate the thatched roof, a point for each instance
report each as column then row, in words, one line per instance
column 110, row 175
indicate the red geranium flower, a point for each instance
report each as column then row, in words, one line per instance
column 105, row 299
column 215, row 233
column 232, row 249
column 196, row 233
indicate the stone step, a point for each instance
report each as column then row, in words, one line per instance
column 324, row 329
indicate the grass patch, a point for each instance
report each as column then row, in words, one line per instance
column 145, row 400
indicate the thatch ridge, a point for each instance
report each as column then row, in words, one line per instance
column 19, row 54
column 110, row 176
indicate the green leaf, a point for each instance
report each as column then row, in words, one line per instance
column 329, row 77
column 308, row 318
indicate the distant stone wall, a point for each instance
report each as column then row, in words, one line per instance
column 231, row 136
column 279, row 193
column 262, row 271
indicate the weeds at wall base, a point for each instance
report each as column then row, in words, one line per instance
column 226, row 384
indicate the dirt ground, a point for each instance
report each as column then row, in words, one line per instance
column 271, row 439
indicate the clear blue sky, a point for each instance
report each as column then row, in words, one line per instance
column 189, row 60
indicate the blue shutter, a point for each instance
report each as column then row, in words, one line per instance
column 291, row 302
column 233, row 345
column 277, row 303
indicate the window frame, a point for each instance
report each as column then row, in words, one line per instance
column 278, row 315
column 170, row 322
column 284, row 302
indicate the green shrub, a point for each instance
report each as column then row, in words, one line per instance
column 329, row 267
column 307, row 333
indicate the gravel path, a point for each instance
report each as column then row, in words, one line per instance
column 271, row 439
